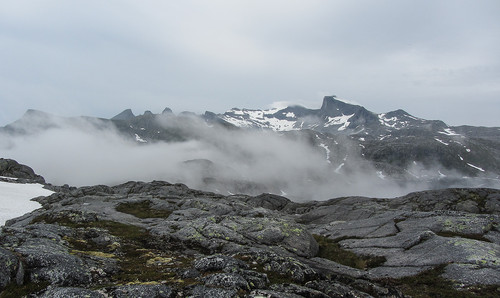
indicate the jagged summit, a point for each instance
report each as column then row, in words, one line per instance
column 167, row 111
column 332, row 103
column 31, row 112
column 334, row 116
column 125, row 115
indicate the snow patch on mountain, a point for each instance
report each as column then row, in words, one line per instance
column 266, row 119
column 476, row 167
column 393, row 122
column 340, row 120
column 448, row 132
column 327, row 152
column 139, row 139
column 441, row 141
column 15, row 199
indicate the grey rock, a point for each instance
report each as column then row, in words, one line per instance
column 11, row 168
column 493, row 236
column 206, row 292
column 329, row 267
column 272, row 294
column 226, row 280
column 47, row 260
column 242, row 245
column 146, row 291
column 290, row 267
column 256, row 280
column 217, row 263
column 381, row 225
column 335, row 289
column 400, row 240
column 397, row 272
column 10, row 266
column 472, row 274
column 442, row 250
column 301, row 291
column 74, row 292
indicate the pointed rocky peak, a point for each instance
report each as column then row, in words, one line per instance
column 34, row 112
column 148, row 113
column 31, row 113
column 125, row 115
column 167, row 111
column 333, row 106
column 398, row 113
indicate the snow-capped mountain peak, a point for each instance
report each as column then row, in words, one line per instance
column 334, row 116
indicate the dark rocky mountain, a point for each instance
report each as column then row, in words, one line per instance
column 159, row 239
column 334, row 117
column 393, row 146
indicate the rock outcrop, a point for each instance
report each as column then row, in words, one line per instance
column 12, row 169
column 165, row 240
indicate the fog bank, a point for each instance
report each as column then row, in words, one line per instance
column 91, row 151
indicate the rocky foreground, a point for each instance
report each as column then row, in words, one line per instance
column 165, row 240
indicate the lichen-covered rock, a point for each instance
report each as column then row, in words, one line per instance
column 165, row 240
column 472, row 274
column 226, row 280
column 272, row 294
column 150, row 291
column 49, row 262
column 11, row 267
column 301, row 291
column 207, row 292
column 74, row 292
column 218, row 263
column 335, row 289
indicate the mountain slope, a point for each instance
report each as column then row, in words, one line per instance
column 338, row 149
column 334, row 116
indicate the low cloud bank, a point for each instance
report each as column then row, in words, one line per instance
column 90, row 152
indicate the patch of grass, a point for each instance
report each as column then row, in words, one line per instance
column 124, row 231
column 467, row 236
column 142, row 210
column 138, row 258
column 331, row 250
column 98, row 254
column 430, row 284
column 15, row 291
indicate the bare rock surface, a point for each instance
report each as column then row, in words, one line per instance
column 165, row 240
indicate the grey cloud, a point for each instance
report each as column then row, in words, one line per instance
column 97, row 58
column 89, row 151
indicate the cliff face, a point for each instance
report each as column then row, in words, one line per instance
column 165, row 240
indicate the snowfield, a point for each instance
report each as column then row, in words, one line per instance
column 15, row 199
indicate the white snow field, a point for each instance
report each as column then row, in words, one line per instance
column 15, row 199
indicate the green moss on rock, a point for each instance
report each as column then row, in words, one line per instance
column 331, row 250
column 142, row 209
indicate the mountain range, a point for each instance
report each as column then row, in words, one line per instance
column 394, row 146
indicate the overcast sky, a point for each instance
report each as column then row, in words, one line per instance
column 435, row 59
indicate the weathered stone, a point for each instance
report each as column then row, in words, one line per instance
column 150, row 291
column 335, row 289
column 253, row 246
column 217, row 263
column 11, row 168
column 64, row 292
column 298, row 290
column 10, row 266
column 226, row 280
column 206, row 292
column 442, row 250
column 472, row 274
column 272, row 294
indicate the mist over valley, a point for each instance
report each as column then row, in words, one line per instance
column 304, row 154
